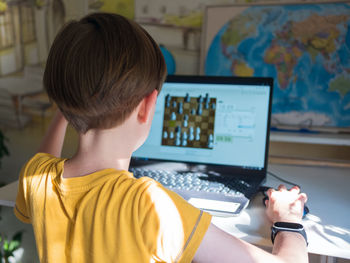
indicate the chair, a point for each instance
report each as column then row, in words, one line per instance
column 34, row 105
column 20, row 94
column 9, row 115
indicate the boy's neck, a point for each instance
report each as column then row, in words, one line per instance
column 106, row 148
column 102, row 149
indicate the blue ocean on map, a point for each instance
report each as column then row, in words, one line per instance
column 304, row 47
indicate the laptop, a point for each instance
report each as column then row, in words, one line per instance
column 214, row 128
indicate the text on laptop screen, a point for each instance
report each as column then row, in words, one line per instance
column 209, row 123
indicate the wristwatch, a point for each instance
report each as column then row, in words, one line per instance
column 286, row 226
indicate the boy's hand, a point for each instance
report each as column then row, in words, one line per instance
column 285, row 205
column 59, row 116
column 52, row 142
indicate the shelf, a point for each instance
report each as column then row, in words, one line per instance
column 311, row 138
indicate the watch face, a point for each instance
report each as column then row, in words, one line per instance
column 288, row 225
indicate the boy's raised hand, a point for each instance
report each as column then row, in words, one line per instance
column 52, row 142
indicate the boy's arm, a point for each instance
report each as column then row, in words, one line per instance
column 283, row 205
column 54, row 137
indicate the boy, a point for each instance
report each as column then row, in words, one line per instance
column 104, row 72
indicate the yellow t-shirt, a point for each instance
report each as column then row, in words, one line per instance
column 106, row 216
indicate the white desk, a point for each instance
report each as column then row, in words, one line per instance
column 327, row 225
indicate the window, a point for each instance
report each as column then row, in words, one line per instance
column 7, row 34
column 27, row 24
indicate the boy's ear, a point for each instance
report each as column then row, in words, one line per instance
column 146, row 106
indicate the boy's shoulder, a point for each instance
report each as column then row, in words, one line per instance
column 40, row 160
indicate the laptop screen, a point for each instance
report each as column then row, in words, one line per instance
column 211, row 120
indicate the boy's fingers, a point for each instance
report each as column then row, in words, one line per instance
column 282, row 187
column 295, row 189
column 270, row 191
column 303, row 197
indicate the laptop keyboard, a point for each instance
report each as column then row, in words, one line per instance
column 195, row 181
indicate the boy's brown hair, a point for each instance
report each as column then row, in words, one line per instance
column 100, row 68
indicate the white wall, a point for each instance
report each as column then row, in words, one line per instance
column 75, row 9
column 8, row 62
column 31, row 56
column 42, row 44
column 46, row 30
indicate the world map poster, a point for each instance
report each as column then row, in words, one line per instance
column 304, row 47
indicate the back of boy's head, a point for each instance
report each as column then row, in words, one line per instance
column 100, row 68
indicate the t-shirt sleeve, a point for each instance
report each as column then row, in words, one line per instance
column 25, row 184
column 21, row 210
column 172, row 228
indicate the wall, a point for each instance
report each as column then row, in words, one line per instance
column 48, row 20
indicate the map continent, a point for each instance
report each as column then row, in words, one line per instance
column 304, row 47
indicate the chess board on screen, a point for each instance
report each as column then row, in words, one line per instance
column 189, row 121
